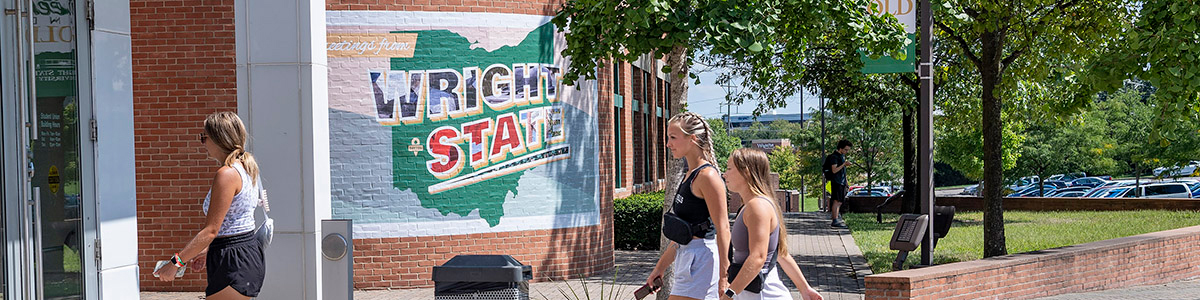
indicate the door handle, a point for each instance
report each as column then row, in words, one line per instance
column 36, row 220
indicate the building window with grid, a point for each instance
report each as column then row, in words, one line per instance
column 661, row 127
column 648, row 92
column 618, row 118
column 638, row 127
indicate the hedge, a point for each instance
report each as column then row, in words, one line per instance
column 637, row 221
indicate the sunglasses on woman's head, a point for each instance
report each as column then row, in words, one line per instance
column 203, row 138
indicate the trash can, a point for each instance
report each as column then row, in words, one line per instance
column 482, row 277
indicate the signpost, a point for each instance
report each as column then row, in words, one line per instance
column 904, row 11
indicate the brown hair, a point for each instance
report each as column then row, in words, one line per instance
column 226, row 130
column 753, row 165
column 694, row 125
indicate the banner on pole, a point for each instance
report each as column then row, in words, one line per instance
column 904, row 11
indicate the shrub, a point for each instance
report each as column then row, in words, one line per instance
column 637, row 221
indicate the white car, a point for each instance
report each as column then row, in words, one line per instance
column 1165, row 190
column 1188, row 169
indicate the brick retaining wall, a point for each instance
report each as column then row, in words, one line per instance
column 1152, row 258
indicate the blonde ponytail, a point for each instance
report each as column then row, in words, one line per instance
column 228, row 132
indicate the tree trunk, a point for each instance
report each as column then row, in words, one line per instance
column 676, row 167
column 909, row 204
column 993, row 214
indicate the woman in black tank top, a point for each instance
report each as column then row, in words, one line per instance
column 700, row 198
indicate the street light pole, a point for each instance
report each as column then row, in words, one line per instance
column 925, row 123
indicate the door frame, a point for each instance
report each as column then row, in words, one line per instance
column 13, row 135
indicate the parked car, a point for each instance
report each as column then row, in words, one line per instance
column 1195, row 189
column 1070, row 194
column 970, row 190
column 1165, row 190
column 1068, row 176
column 1080, row 189
column 874, row 192
column 882, row 191
column 1189, row 169
column 1088, row 182
column 1057, row 183
column 1116, row 192
column 1032, row 191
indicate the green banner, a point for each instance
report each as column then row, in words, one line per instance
column 888, row 64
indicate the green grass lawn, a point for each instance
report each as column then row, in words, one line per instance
column 1024, row 231
column 952, row 187
column 810, row 204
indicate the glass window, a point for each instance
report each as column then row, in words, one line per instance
column 616, row 77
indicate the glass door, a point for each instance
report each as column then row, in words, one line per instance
column 41, row 34
column 56, row 150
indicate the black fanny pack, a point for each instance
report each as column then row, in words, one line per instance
column 681, row 231
column 755, row 285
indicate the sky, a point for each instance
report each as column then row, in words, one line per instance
column 707, row 99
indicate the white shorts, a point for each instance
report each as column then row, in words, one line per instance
column 773, row 289
column 696, row 270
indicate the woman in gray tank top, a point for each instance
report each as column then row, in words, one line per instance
column 759, row 233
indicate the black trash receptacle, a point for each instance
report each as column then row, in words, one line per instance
column 482, row 277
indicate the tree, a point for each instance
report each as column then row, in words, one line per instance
column 758, row 33
column 877, row 141
column 1160, row 48
column 723, row 144
column 785, row 163
column 1007, row 42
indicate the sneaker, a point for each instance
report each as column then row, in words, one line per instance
column 839, row 224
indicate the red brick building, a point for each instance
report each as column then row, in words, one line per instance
column 184, row 68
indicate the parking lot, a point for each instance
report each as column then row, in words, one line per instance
column 1128, row 183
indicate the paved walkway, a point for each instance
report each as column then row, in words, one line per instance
column 830, row 260
column 1178, row 290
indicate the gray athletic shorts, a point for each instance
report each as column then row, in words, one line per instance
column 696, row 270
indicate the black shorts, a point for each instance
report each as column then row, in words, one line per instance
column 838, row 192
column 235, row 261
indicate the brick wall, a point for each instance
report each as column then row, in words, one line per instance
column 183, row 70
column 1152, row 258
column 867, row 204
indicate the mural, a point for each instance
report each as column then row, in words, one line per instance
column 454, row 123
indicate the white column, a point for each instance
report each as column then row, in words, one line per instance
column 110, row 72
column 281, row 88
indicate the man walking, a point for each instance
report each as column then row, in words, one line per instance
column 834, row 169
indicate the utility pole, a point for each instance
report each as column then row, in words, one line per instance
column 803, row 187
column 824, row 193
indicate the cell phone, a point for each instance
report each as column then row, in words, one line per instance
column 161, row 263
column 646, row 290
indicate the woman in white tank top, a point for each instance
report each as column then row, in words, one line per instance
column 226, row 245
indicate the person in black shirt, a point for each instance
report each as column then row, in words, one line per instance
column 700, row 263
column 834, row 169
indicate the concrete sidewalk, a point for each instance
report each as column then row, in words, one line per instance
column 830, row 260
column 1178, row 290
